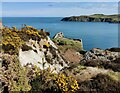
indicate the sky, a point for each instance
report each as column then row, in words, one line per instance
column 57, row 9
column 59, row 0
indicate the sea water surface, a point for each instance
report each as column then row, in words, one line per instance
column 93, row 34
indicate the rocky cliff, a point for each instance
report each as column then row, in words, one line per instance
column 30, row 61
column 32, row 47
column 94, row 18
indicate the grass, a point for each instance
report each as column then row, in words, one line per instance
column 65, row 43
column 114, row 17
column 114, row 75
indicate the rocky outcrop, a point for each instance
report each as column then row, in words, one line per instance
column 101, row 58
column 42, row 56
column 58, row 35
column 69, row 48
column 94, row 18
column 97, row 53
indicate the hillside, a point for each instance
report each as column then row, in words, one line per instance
column 32, row 62
column 94, row 18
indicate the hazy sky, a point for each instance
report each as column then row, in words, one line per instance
column 60, row 0
column 57, row 9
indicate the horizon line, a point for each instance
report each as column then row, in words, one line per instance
column 64, row 16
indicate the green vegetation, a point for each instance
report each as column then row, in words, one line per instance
column 114, row 75
column 47, row 81
column 94, row 18
column 114, row 17
column 65, row 43
column 14, row 77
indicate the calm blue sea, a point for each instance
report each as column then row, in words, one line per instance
column 93, row 34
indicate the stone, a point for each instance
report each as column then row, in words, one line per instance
column 59, row 35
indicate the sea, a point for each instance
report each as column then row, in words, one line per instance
column 93, row 34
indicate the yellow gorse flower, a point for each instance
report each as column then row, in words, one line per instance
column 67, row 84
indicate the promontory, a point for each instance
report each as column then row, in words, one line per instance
column 94, row 18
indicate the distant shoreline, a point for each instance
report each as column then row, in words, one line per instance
column 94, row 18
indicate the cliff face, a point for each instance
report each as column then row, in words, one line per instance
column 41, row 56
column 94, row 18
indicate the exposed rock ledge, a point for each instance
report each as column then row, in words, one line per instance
column 94, row 18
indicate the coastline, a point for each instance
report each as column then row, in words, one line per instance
column 94, row 18
column 31, row 57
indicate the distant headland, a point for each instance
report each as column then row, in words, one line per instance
column 94, row 18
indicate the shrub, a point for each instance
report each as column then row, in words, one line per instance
column 44, row 81
column 13, row 76
column 48, row 82
column 67, row 84
column 14, row 38
column 100, row 84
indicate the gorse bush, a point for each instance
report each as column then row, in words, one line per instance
column 13, row 38
column 44, row 81
column 31, row 78
column 49, row 82
column 67, row 84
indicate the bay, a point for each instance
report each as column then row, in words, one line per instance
column 94, row 34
